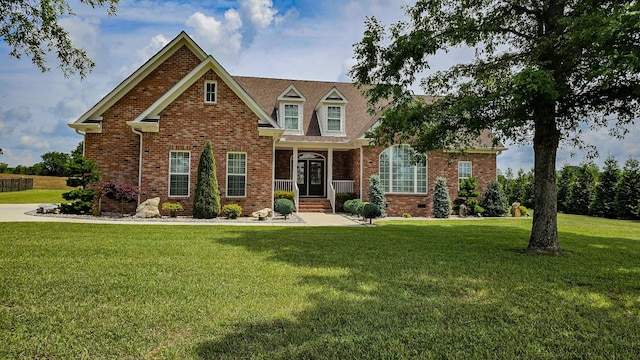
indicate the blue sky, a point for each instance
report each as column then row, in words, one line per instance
column 294, row 39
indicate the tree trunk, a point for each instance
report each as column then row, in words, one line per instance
column 544, row 232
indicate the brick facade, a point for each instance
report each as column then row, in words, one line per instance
column 439, row 164
column 231, row 125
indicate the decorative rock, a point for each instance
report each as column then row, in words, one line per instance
column 515, row 209
column 48, row 209
column 463, row 211
column 148, row 209
column 262, row 214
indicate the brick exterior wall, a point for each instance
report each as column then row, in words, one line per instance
column 186, row 124
column 440, row 164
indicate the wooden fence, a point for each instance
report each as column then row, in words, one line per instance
column 16, row 184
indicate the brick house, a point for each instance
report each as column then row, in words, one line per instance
column 267, row 135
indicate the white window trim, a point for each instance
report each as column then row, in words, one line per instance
column 470, row 171
column 246, row 163
column 326, row 118
column 215, row 93
column 281, row 117
column 415, row 174
column 187, row 173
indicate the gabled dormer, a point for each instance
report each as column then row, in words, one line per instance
column 290, row 110
column 331, row 113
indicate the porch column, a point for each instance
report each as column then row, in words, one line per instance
column 294, row 164
column 330, row 166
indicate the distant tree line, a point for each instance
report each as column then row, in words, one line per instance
column 584, row 189
column 54, row 163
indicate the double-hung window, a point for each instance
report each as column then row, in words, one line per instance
column 210, row 88
column 334, row 118
column 464, row 171
column 236, row 174
column 401, row 170
column 179, row 168
column 291, row 116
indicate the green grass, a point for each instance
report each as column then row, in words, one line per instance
column 35, row 196
column 432, row 289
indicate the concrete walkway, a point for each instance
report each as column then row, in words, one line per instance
column 16, row 213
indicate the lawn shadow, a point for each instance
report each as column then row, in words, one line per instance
column 433, row 291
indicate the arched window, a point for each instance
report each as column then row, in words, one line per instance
column 402, row 170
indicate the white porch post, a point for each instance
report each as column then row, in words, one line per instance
column 330, row 166
column 361, row 169
column 294, row 164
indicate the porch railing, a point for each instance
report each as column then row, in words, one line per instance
column 296, row 196
column 343, row 185
column 281, row 184
column 332, row 197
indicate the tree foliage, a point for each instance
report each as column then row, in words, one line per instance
column 604, row 195
column 581, row 189
column 543, row 71
column 628, row 191
column 206, row 202
column 371, row 211
column 55, row 163
column 441, row 199
column 32, row 28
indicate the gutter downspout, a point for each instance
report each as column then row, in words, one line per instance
column 361, row 170
column 139, row 163
column 84, row 143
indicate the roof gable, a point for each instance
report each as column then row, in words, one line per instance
column 130, row 82
column 152, row 113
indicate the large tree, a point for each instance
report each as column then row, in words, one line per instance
column 32, row 28
column 544, row 71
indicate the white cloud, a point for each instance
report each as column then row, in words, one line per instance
column 260, row 13
column 34, row 142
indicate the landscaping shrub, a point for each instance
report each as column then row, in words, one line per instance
column 172, row 208
column 468, row 194
column 441, row 200
column 119, row 191
column 232, row 211
column 371, row 211
column 376, row 194
column 494, row 200
column 283, row 194
column 358, row 207
column 523, row 210
column 206, row 201
column 284, row 207
column 406, row 215
column 348, row 206
column 82, row 172
column 81, row 201
column 342, row 198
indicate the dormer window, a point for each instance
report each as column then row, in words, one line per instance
column 290, row 110
column 291, row 116
column 331, row 113
column 334, row 118
column 210, row 92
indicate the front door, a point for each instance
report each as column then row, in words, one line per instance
column 311, row 177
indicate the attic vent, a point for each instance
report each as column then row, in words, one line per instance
column 335, row 98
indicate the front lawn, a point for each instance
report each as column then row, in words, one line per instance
column 433, row 289
column 35, row 196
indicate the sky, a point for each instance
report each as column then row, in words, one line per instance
column 291, row 39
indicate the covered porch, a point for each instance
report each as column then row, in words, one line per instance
column 317, row 173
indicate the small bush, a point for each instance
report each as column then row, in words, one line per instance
column 376, row 194
column 348, row 206
column 81, row 201
column 441, row 200
column 523, row 211
column 283, row 206
column 371, row 211
column 283, row 194
column 342, row 198
column 232, row 211
column 357, row 207
column 406, row 215
column 494, row 200
column 172, row 208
